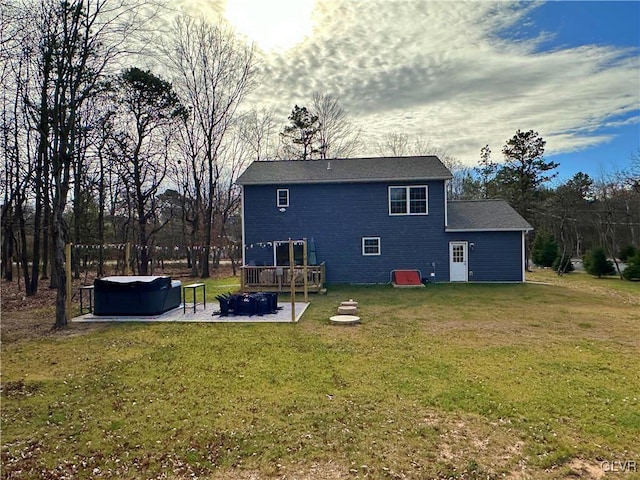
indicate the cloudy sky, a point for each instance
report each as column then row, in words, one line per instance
column 458, row 74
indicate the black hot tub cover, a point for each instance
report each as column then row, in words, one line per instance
column 136, row 295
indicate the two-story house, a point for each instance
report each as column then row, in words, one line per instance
column 366, row 217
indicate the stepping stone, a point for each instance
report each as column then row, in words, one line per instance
column 350, row 303
column 344, row 320
column 347, row 310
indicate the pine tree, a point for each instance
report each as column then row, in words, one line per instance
column 524, row 171
column 596, row 263
column 632, row 270
column 300, row 136
column 562, row 264
column 544, row 250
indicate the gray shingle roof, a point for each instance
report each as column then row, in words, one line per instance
column 484, row 215
column 349, row 170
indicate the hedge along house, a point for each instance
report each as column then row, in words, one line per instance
column 366, row 217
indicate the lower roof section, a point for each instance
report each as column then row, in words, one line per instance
column 484, row 215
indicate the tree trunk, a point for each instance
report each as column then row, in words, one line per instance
column 42, row 161
column 195, row 262
column 100, row 269
column 101, row 201
column 59, row 274
column 7, row 244
column 192, row 257
column 60, row 271
column 37, row 222
column 204, row 262
column 46, row 233
column 630, row 222
column 22, row 250
column 142, row 254
column 53, row 277
column 77, row 214
column 208, row 227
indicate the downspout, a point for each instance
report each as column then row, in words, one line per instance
column 446, row 202
column 524, row 254
column 244, row 262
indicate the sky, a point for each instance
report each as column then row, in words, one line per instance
column 458, row 75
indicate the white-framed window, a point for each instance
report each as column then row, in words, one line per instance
column 370, row 245
column 409, row 200
column 282, row 197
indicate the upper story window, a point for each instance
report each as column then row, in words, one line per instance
column 409, row 200
column 282, row 197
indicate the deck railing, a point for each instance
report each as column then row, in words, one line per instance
column 278, row 279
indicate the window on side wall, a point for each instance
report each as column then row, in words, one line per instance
column 282, row 197
column 370, row 245
column 409, row 200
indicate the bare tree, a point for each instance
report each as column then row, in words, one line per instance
column 189, row 175
column 459, row 171
column 149, row 111
column 634, row 169
column 394, row 144
column 338, row 136
column 616, row 217
column 487, row 170
column 214, row 72
column 67, row 47
column 21, row 185
column 563, row 214
column 632, row 205
column 258, row 129
column 14, row 179
column 397, row 144
column 236, row 157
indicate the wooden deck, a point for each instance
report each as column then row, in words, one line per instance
column 278, row 279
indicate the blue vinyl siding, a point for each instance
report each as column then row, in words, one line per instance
column 494, row 257
column 337, row 216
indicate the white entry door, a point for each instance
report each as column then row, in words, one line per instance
column 458, row 268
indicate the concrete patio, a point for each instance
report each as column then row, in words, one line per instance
column 203, row 315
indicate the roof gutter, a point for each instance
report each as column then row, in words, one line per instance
column 341, row 180
column 525, row 229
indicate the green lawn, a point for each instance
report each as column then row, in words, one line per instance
column 449, row 381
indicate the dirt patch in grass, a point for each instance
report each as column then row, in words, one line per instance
column 25, row 325
column 28, row 317
column 587, row 470
column 315, row 471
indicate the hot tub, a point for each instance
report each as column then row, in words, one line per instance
column 135, row 295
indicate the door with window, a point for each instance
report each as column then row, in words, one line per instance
column 458, row 262
column 281, row 253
